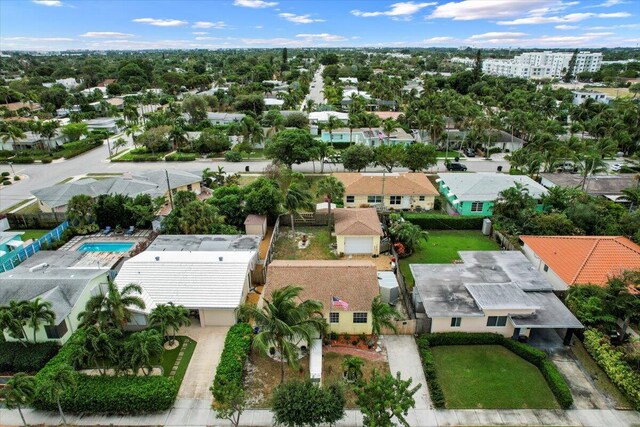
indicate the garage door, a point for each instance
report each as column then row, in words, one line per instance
column 358, row 245
column 212, row 317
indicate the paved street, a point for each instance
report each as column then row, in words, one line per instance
column 316, row 88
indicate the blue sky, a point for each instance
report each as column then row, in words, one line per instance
column 148, row 24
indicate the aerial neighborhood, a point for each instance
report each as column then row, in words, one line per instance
column 294, row 231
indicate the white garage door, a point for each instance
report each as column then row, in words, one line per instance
column 212, row 317
column 358, row 245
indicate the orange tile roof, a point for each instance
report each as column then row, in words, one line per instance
column 354, row 281
column 357, row 222
column 400, row 184
column 585, row 259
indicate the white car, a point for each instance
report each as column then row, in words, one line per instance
column 616, row 167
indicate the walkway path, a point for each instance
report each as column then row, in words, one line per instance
column 403, row 356
column 188, row 412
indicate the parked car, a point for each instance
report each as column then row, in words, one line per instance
column 455, row 167
column 334, row 158
column 469, row 152
column 567, row 167
column 616, row 167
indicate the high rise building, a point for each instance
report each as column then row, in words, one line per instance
column 542, row 65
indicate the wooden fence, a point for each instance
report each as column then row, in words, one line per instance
column 42, row 220
column 259, row 274
column 403, row 327
column 307, row 218
column 503, row 241
column 404, row 293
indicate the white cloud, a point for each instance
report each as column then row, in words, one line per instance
column 106, row 34
column 497, row 34
column 48, row 2
column 254, row 4
column 613, row 27
column 278, row 41
column 610, row 3
column 397, row 10
column 299, row 19
column 200, row 33
column 566, row 27
column 161, row 22
column 572, row 17
column 469, row 10
column 438, row 40
column 322, row 36
column 259, row 27
column 614, row 15
column 38, row 39
column 207, row 24
column 208, row 38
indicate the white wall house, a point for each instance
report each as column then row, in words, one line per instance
column 581, row 96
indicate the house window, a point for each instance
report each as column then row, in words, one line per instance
column 546, row 268
column 422, row 198
column 334, row 317
column 497, row 321
column 395, row 200
column 359, row 317
column 374, row 199
column 455, row 322
column 477, row 206
column 56, row 332
column 351, row 199
column 189, row 187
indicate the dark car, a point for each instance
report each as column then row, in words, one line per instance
column 454, row 167
column 470, row 153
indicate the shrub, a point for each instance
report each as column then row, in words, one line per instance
column 610, row 359
column 554, row 379
column 180, row 157
column 16, row 357
column 233, row 156
column 4, row 154
column 4, row 174
column 234, row 355
column 75, row 148
column 104, row 395
column 22, row 160
column 6, row 182
column 16, row 178
column 45, row 161
column 145, row 158
column 429, row 221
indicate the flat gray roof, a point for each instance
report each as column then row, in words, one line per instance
column 209, row 243
column 500, row 296
column 596, row 184
column 551, row 314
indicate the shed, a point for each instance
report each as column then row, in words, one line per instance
column 389, row 290
column 256, row 225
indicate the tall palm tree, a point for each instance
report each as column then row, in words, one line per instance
column 59, row 381
column 332, row 123
column 589, row 163
column 382, row 316
column 296, row 198
column 284, row 323
column 160, row 317
column 141, row 347
column 38, row 312
column 309, row 106
column 388, row 126
column 112, row 309
column 332, row 189
column 352, row 366
column 98, row 349
column 179, row 318
column 18, row 392
column 13, row 318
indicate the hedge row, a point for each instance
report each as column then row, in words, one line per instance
column 234, row 355
column 554, row 379
column 429, row 221
column 102, row 394
column 73, row 149
column 610, row 359
column 138, row 158
column 16, row 357
column 429, row 367
column 180, row 157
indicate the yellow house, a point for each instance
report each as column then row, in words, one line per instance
column 358, row 231
column 345, row 289
column 394, row 191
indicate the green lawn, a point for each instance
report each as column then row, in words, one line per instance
column 286, row 246
column 442, row 248
column 32, row 234
column 169, row 359
column 490, row 377
column 451, row 155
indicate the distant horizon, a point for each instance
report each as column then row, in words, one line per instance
column 135, row 25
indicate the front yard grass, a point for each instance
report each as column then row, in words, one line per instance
column 320, row 239
column 169, row 358
column 263, row 376
column 31, row 234
column 490, row 377
column 442, row 248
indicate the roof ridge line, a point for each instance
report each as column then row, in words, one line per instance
column 584, row 263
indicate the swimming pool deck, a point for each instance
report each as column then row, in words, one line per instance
column 77, row 241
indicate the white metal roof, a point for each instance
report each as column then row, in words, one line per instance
column 193, row 279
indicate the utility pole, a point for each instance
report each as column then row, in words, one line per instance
column 169, row 189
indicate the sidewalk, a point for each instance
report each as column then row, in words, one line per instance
column 198, row 413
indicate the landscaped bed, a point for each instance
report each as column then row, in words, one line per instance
column 442, row 248
column 319, row 246
column 490, row 377
column 169, row 358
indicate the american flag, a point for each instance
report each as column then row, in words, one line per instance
column 337, row 302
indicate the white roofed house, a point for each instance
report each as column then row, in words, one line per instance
column 209, row 274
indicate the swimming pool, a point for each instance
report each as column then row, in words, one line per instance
column 106, row 247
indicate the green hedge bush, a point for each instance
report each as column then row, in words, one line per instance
column 22, row 160
column 610, row 359
column 233, row 156
column 554, row 379
column 180, row 157
column 75, row 148
column 102, row 394
column 429, row 221
column 234, row 355
column 16, row 357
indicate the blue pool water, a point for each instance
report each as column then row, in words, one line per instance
column 106, row 247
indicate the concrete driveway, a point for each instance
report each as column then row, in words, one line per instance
column 205, row 359
column 402, row 353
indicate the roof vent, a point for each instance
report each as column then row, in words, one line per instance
column 41, row 266
column 157, row 258
column 220, row 259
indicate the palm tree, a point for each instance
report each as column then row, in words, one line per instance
column 633, row 196
column 388, row 126
column 309, row 105
column 284, row 323
column 141, row 347
column 178, row 137
column 98, row 349
column 111, row 309
column 160, row 317
column 38, row 312
column 18, row 392
column 332, row 124
column 589, row 163
column 331, row 188
column 179, row 318
column 382, row 315
column 11, row 132
column 59, row 381
column 295, row 199
column 13, row 318
column 352, row 366
column 621, row 302
column 48, row 130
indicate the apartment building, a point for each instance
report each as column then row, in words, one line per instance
column 542, row 65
